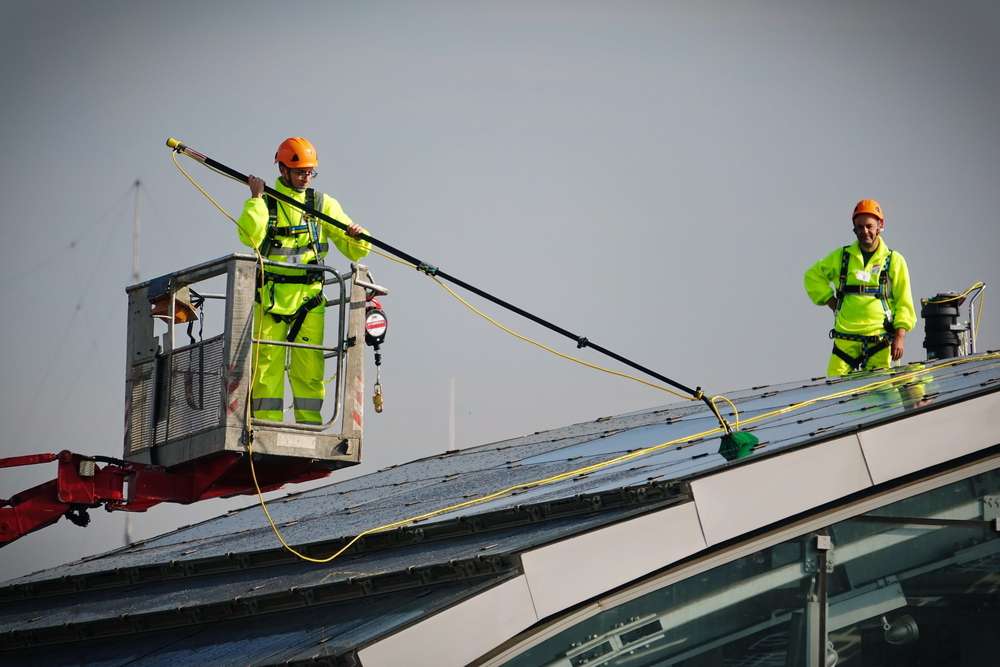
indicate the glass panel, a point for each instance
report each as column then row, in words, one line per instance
column 725, row 611
column 912, row 583
column 916, row 582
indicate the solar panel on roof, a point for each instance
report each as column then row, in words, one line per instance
column 347, row 508
column 237, row 561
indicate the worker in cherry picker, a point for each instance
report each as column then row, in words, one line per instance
column 290, row 302
column 867, row 286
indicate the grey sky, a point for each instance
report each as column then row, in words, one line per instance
column 656, row 176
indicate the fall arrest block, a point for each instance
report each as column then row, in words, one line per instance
column 376, row 324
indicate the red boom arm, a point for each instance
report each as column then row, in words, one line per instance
column 82, row 484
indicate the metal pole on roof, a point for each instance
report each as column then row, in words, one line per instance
column 451, row 417
column 127, row 537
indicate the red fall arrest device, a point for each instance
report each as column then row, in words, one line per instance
column 376, row 324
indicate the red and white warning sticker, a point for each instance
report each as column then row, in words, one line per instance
column 375, row 324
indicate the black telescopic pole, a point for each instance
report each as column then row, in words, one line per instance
column 429, row 269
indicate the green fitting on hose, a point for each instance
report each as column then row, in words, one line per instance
column 737, row 445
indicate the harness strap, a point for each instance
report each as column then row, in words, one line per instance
column 308, row 278
column 299, row 316
column 296, row 252
column 314, row 202
column 307, row 225
column 858, row 363
column 883, row 292
column 843, row 278
column 863, row 289
column 294, row 230
column 870, row 346
column 858, row 338
column 853, row 363
column 272, row 223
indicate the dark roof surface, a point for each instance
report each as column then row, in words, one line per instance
column 233, row 564
column 295, row 635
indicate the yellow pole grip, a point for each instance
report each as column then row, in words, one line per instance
column 174, row 143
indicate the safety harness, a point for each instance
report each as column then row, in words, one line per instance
column 271, row 244
column 870, row 345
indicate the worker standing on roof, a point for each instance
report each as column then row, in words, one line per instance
column 290, row 302
column 867, row 286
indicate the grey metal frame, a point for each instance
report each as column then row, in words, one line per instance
column 161, row 429
column 337, row 351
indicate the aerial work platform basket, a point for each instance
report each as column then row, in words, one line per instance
column 187, row 390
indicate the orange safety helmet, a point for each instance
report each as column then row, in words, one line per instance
column 296, row 153
column 869, row 206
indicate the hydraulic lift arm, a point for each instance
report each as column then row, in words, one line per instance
column 81, row 484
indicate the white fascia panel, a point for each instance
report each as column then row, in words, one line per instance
column 908, row 445
column 565, row 573
column 459, row 634
column 748, row 497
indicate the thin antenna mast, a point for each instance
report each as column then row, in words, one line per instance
column 135, row 278
column 135, row 233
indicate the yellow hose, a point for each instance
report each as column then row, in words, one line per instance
column 630, row 456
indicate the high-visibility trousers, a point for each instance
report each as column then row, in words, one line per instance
column 305, row 368
column 838, row 366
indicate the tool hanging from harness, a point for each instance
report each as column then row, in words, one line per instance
column 292, row 252
column 870, row 345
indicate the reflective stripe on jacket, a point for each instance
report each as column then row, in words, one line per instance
column 860, row 313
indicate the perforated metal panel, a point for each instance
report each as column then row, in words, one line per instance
column 139, row 418
column 193, row 376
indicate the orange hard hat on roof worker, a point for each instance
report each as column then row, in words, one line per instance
column 296, row 153
column 869, row 206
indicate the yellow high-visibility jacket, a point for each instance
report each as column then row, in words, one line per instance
column 285, row 298
column 863, row 314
